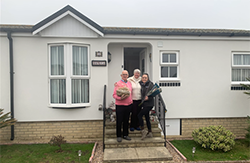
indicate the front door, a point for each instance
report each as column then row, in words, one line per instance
column 134, row 58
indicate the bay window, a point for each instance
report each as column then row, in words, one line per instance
column 68, row 75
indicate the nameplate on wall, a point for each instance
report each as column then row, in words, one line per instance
column 99, row 63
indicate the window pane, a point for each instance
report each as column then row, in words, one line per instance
column 246, row 59
column 80, row 60
column 57, row 60
column 168, row 58
column 173, row 72
column 236, row 75
column 80, row 90
column 58, row 91
column 245, row 74
column 173, row 58
column 164, row 72
column 237, row 59
column 165, row 58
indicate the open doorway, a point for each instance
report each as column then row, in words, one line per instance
column 134, row 58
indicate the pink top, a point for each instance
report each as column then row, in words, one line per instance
column 126, row 101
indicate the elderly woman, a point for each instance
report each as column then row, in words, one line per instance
column 123, row 104
column 136, row 96
column 148, row 104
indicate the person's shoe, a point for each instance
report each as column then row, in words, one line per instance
column 143, row 134
column 138, row 129
column 132, row 129
column 119, row 139
column 126, row 138
column 149, row 135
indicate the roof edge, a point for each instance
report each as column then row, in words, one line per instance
column 63, row 10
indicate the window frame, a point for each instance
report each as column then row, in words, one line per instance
column 68, row 75
column 238, row 67
column 169, row 64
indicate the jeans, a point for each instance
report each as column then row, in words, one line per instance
column 134, row 116
column 145, row 111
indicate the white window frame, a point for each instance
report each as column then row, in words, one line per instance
column 239, row 67
column 176, row 64
column 68, row 74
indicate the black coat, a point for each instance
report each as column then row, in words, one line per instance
column 145, row 88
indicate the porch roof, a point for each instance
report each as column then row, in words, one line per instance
column 146, row 31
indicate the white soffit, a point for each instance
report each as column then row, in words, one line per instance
column 62, row 16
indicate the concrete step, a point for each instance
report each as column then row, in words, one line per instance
column 111, row 133
column 136, row 142
column 144, row 154
column 110, row 125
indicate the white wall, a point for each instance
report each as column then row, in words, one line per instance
column 4, row 74
column 31, row 80
column 114, row 69
column 68, row 26
column 205, row 76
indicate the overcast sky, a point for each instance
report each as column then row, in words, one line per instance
column 219, row 14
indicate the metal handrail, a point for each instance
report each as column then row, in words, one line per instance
column 104, row 116
column 160, row 109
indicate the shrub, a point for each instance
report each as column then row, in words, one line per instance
column 214, row 137
column 6, row 119
column 57, row 141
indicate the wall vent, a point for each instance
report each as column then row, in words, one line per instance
column 169, row 84
column 237, row 88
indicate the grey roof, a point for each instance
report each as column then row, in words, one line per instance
column 146, row 31
column 127, row 30
column 15, row 28
column 176, row 31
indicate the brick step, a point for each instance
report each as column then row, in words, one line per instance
column 111, row 133
column 110, row 125
column 144, row 154
column 138, row 135
column 136, row 142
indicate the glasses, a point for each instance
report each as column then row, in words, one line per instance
column 124, row 74
column 144, row 77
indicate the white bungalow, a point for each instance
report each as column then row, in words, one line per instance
column 53, row 74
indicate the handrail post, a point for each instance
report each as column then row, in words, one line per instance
column 104, row 116
column 160, row 112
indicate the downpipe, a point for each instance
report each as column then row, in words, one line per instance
column 11, row 82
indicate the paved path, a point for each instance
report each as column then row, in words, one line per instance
column 139, row 154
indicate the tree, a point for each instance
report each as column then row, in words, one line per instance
column 248, row 132
column 5, row 119
column 247, row 87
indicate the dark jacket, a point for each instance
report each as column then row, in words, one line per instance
column 145, row 88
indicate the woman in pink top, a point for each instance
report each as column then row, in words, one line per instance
column 123, row 107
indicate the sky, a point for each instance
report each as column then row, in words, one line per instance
column 213, row 14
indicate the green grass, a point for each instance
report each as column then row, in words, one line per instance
column 44, row 153
column 239, row 152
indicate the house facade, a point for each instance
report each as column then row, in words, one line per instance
column 61, row 64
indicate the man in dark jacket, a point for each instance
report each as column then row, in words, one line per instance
column 148, row 104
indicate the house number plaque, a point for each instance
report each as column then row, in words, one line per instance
column 99, row 63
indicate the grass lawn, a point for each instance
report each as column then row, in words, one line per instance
column 44, row 153
column 239, row 152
